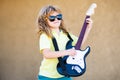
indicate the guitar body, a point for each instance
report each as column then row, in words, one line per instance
column 75, row 66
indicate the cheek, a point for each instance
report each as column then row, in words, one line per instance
column 49, row 23
column 52, row 24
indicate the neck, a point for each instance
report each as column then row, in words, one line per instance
column 56, row 31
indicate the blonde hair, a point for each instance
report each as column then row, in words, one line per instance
column 42, row 24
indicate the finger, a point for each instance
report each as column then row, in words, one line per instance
column 89, row 20
column 73, row 47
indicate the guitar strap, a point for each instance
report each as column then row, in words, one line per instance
column 61, row 63
column 69, row 36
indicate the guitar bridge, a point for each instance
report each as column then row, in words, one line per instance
column 77, row 69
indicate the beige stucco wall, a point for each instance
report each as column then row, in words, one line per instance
column 19, row 51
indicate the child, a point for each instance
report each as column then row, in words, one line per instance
column 51, row 24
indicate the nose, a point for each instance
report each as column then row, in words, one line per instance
column 56, row 19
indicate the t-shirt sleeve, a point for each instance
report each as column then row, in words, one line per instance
column 75, row 38
column 44, row 42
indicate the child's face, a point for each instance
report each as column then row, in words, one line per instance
column 54, row 20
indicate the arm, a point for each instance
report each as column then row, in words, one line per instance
column 89, row 26
column 47, row 53
column 44, row 44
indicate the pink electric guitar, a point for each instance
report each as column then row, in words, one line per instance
column 76, row 65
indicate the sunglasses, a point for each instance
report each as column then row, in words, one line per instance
column 52, row 18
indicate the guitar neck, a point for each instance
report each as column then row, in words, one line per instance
column 81, row 35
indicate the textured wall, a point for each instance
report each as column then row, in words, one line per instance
column 19, row 52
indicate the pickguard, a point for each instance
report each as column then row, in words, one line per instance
column 79, row 58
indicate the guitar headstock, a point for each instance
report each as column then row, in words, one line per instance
column 90, row 11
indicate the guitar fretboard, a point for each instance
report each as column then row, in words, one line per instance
column 81, row 35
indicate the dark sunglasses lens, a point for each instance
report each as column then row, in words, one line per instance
column 51, row 18
column 59, row 17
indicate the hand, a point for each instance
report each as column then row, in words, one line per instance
column 89, row 21
column 71, row 52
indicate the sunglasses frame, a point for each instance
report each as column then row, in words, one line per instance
column 52, row 18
